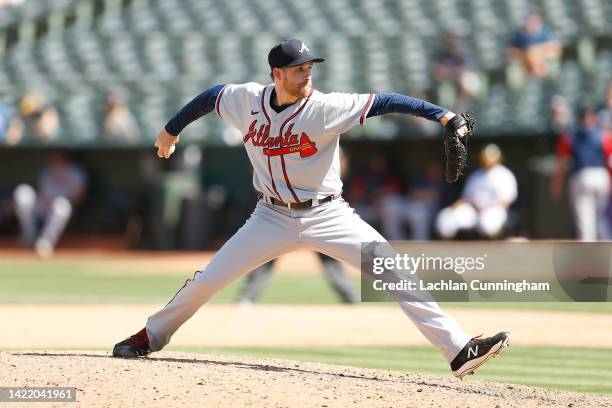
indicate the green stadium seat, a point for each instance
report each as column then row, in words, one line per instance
column 208, row 16
column 141, row 19
column 80, row 121
column 173, row 17
column 415, row 19
column 8, row 17
column 310, row 17
column 594, row 17
column 159, row 60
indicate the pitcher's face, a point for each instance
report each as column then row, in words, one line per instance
column 297, row 81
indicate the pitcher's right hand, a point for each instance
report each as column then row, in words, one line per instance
column 166, row 144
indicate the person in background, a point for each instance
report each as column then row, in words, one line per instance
column 589, row 147
column 454, row 64
column 560, row 114
column 119, row 122
column 368, row 190
column 604, row 112
column 604, row 115
column 417, row 208
column 5, row 122
column 534, row 47
column 61, row 185
column 38, row 119
column 483, row 205
column 11, row 126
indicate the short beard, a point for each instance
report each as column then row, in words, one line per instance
column 299, row 92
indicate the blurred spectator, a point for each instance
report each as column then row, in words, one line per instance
column 339, row 280
column 604, row 112
column 119, row 122
column 38, row 119
column 417, row 208
column 61, row 185
column 11, row 126
column 366, row 191
column 561, row 113
column 5, row 122
column 589, row 147
column 535, row 47
column 454, row 65
column 483, row 205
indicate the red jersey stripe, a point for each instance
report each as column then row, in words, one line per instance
column 295, row 197
column 263, row 108
column 218, row 101
column 366, row 109
column 272, row 179
column 263, row 105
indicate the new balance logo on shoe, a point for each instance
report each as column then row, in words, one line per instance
column 477, row 352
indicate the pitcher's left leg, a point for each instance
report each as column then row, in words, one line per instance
column 336, row 230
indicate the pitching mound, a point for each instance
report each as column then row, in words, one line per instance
column 181, row 379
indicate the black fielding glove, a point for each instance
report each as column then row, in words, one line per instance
column 455, row 147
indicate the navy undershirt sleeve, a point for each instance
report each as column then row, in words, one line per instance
column 395, row 103
column 199, row 106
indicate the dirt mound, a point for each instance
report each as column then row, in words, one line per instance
column 181, row 379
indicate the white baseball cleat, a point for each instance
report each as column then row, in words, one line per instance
column 477, row 352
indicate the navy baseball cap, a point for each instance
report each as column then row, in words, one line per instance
column 290, row 53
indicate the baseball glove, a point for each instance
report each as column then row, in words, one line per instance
column 455, row 147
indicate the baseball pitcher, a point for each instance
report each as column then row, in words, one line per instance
column 291, row 135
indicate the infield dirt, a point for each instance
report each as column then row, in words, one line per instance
column 180, row 379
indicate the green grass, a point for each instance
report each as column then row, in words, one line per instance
column 70, row 282
column 73, row 281
column 572, row 369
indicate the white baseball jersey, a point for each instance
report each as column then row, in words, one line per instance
column 67, row 183
column 294, row 153
column 295, row 156
column 485, row 188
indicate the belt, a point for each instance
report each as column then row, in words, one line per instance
column 298, row 206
